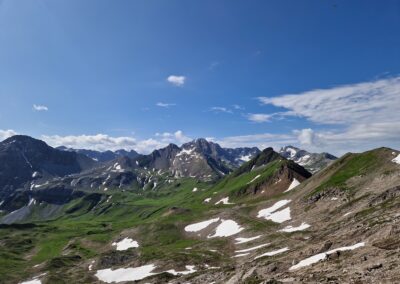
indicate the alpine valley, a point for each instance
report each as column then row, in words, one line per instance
column 197, row 213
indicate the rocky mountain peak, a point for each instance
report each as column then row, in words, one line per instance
column 313, row 162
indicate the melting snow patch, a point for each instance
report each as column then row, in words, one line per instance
column 35, row 174
column 294, row 183
column 348, row 213
column 227, row 228
column 224, row 200
column 253, row 248
column 125, row 274
column 276, row 216
column 34, row 281
column 200, row 226
column 397, row 159
column 32, row 201
column 207, row 200
column 334, row 198
column 194, row 189
column 321, row 256
column 91, row 265
column 185, row 151
column 245, row 240
column 271, row 253
column 289, row 229
column 254, row 179
column 190, row 269
column 126, row 244
column 240, row 255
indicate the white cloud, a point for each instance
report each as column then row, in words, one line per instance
column 258, row 117
column 165, row 105
column 356, row 138
column 100, row 142
column 306, row 136
column 356, row 117
column 262, row 140
column 4, row 134
column 218, row 109
column 177, row 137
column 40, row 108
column 176, row 80
column 103, row 142
column 350, row 104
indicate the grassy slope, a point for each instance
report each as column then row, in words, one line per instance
column 86, row 229
column 349, row 166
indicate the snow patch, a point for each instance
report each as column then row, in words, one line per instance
column 240, row 255
column 254, row 179
column 126, row 244
column 207, row 200
column 200, row 226
column 289, row 229
column 245, row 240
column 397, row 159
column 194, row 189
column 272, row 214
column 294, row 183
column 271, row 253
column 321, row 256
column 253, row 248
column 185, row 151
column 125, row 274
column 190, row 269
column 91, row 265
column 33, row 281
column 35, row 174
column 32, row 201
column 227, row 228
column 224, row 200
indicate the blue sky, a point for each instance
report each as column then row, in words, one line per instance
column 323, row 75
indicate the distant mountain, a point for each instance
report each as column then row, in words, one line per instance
column 199, row 158
column 102, row 156
column 24, row 159
column 313, row 162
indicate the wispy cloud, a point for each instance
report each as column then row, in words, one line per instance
column 213, row 65
column 175, row 80
column 165, row 105
column 219, row 109
column 364, row 102
column 352, row 117
column 258, row 117
column 40, row 108
column 238, row 107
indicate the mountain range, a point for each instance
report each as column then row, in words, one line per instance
column 198, row 213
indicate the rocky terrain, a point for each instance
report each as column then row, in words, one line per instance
column 160, row 218
column 313, row 162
